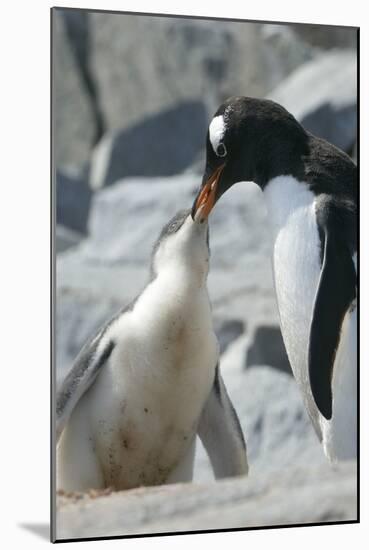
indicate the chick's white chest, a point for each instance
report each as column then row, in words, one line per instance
column 148, row 401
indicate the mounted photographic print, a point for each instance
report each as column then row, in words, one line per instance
column 205, row 207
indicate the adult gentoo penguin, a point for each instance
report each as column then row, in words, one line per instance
column 310, row 189
column 149, row 381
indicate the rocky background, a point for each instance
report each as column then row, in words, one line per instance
column 132, row 98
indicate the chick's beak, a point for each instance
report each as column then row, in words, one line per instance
column 205, row 199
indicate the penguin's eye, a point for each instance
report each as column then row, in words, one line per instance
column 221, row 150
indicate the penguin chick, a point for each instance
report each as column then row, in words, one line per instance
column 141, row 390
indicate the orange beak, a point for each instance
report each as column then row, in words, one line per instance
column 206, row 199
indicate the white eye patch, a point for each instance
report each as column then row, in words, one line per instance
column 216, row 131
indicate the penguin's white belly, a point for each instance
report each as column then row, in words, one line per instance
column 140, row 416
column 296, row 270
column 296, row 266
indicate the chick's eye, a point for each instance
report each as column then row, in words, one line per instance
column 221, row 150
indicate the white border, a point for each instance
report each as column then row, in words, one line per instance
column 25, row 265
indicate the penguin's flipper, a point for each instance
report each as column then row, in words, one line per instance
column 87, row 366
column 221, row 434
column 335, row 293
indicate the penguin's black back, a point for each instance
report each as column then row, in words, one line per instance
column 330, row 171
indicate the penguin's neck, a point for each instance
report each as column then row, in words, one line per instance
column 284, row 196
column 175, row 303
column 185, row 273
column 272, row 157
column 184, row 277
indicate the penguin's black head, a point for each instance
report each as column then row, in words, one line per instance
column 249, row 140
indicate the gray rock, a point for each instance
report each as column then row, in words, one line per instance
column 227, row 331
column 73, row 118
column 162, row 144
column 277, row 429
column 126, row 218
column 107, row 80
column 66, row 238
column 284, row 51
column 301, row 495
column 73, row 198
column 267, row 348
column 329, row 109
column 78, row 29
column 207, row 59
column 326, row 36
column 148, row 81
